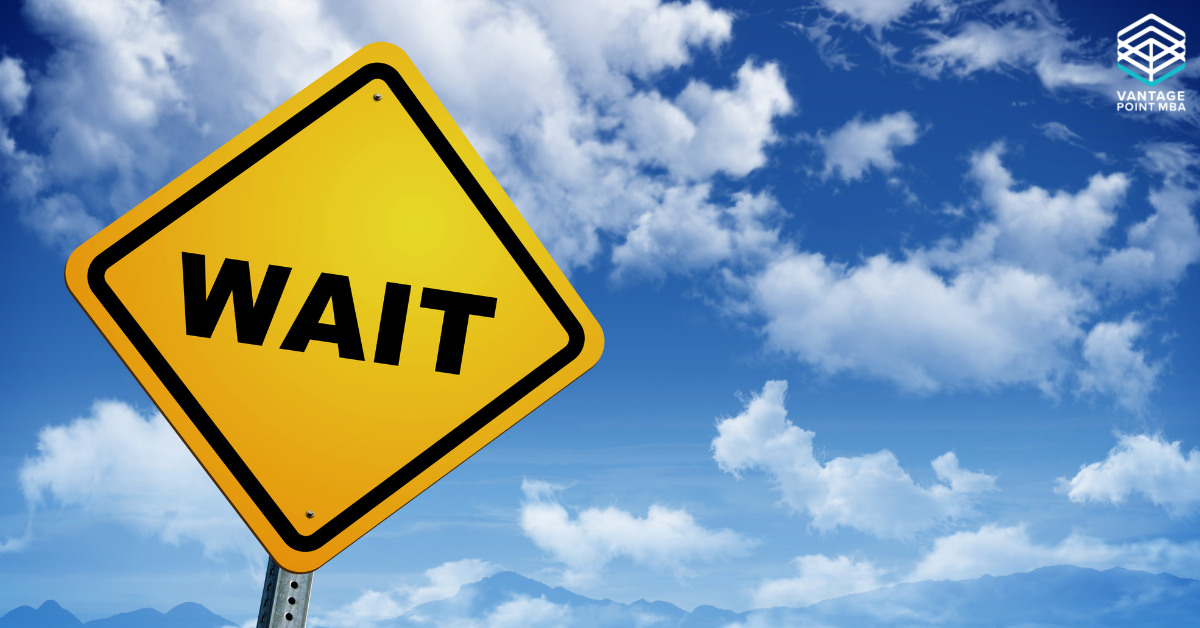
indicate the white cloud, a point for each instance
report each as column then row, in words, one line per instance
column 1057, row 234
column 688, row 233
column 1065, row 235
column 705, row 130
column 665, row 538
column 820, row 578
column 902, row 322
column 445, row 581
column 857, row 146
column 997, row 551
column 1011, row 304
column 139, row 90
column 869, row 493
column 1140, row 463
column 119, row 465
column 14, row 89
column 1160, row 248
column 1113, row 366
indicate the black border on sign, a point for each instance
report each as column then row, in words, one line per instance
column 239, row 164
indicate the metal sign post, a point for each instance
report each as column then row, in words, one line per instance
column 284, row 598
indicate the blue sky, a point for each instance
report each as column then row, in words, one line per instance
column 975, row 276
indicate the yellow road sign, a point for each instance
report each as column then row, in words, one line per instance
column 336, row 308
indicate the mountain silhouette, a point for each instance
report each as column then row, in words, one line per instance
column 1050, row 597
column 1062, row 596
column 51, row 615
column 48, row 615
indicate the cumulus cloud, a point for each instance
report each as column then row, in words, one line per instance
column 445, row 581
column 1014, row 303
column 820, row 578
column 998, row 550
column 1140, row 463
column 869, row 493
column 900, row 321
column 122, row 466
column 860, row 145
column 1160, row 248
column 138, row 90
column 1052, row 233
column 1113, row 365
column 687, row 233
column 665, row 538
column 1064, row 235
column 706, row 130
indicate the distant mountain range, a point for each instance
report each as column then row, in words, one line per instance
column 1061, row 596
column 51, row 615
column 1051, row 597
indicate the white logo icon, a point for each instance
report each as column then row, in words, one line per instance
column 1151, row 49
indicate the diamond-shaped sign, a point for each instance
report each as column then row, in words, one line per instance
column 336, row 308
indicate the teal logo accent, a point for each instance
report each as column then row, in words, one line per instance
column 1155, row 81
column 1151, row 50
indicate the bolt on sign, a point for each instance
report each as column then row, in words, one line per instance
column 337, row 307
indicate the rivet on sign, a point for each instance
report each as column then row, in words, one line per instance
column 378, row 96
column 310, row 514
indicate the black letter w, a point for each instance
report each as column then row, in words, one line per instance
column 202, row 311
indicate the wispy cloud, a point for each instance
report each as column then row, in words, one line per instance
column 1058, row 132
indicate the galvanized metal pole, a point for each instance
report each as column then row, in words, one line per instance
column 285, row 598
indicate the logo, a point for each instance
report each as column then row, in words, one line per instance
column 1151, row 49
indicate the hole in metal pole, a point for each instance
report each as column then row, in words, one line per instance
column 291, row 600
column 294, row 585
column 287, row 616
